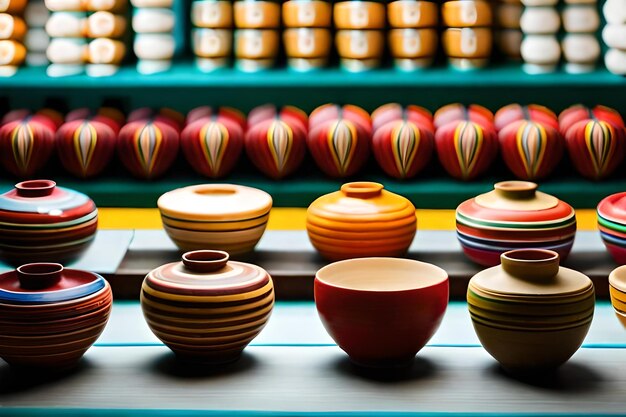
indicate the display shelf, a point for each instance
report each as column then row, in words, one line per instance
column 292, row 262
column 286, row 373
column 427, row 192
column 185, row 87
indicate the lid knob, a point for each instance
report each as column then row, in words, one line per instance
column 362, row 189
column 516, row 190
column 35, row 188
column 531, row 264
column 37, row 276
column 205, row 260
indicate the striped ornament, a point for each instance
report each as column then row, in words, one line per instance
column 25, row 146
column 466, row 149
column 595, row 147
column 276, row 140
column 531, row 150
column 147, row 148
column 339, row 139
column 212, row 145
column 402, row 148
column 207, row 314
column 85, row 147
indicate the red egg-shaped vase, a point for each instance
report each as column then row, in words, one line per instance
column 514, row 216
column 148, row 143
column 26, row 144
column 458, row 112
column 403, row 148
column 40, row 222
column 85, row 146
column 612, row 225
column 594, row 138
column 212, row 143
column 466, row 149
column 276, row 139
column 339, row 139
column 531, row 150
column 533, row 112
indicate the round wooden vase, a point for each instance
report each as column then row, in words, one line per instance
column 212, row 141
column 531, row 150
column 339, row 139
column 403, row 140
column 276, row 139
column 206, row 308
column 27, row 141
column 533, row 112
column 529, row 313
column 87, row 141
column 466, row 140
column 513, row 216
column 612, row 225
column 148, row 143
column 50, row 315
column 361, row 220
column 42, row 222
column 211, row 216
column 617, row 290
column 595, row 139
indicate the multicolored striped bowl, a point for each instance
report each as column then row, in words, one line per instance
column 215, row 216
column 612, row 225
column 41, row 222
column 514, row 216
column 617, row 289
column 206, row 308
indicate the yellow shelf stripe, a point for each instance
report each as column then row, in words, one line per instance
column 294, row 219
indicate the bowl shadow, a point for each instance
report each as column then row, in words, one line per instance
column 420, row 368
column 15, row 379
column 170, row 365
column 571, row 377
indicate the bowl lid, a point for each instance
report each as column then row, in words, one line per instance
column 215, row 202
column 43, row 283
column 513, row 202
column 42, row 201
column 362, row 202
column 207, row 272
column 613, row 208
column 531, row 273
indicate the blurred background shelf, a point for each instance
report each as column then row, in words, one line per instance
column 185, row 87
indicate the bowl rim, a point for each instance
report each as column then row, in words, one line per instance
column 443, row 275
column 617, row 278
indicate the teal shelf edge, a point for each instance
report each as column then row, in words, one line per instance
column 185, row 75
column 425, row 193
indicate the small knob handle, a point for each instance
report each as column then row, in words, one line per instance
column 35, row 188
column 362, row 189
column 531, row 264
column 38, row 276
column 517, row 190
column 205, row 260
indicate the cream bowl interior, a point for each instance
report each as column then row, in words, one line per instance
column 381, row 274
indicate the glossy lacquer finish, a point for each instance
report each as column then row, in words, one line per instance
column 50, row 316
column 612, row 225
column 529, row 313
column 381, row 311
column 42, row 222
column 207, row 308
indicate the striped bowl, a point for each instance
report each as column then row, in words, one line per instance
column 514, row 216
column 612, row 225
column 42, row 222
column 617, row 289
column 215, row 216
column 207, row 308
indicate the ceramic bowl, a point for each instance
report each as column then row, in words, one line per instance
column 206, row 308
column 360, row 50
column 51, row 315
column 514, row 216
column 381, row 311
column 412, row 14
column 307, row 14
column 413, row 48
column 361, row 220
column 307, row 48
column 466, row 13
column 529, row 313
column 617, row 289
column 359, row 15
column 42, row 222
column 468, row 48
column 256, row 49
column 215, row 216
column 612, row 225
column 252, row 14
column 212, row 14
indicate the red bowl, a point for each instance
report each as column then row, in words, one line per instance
column 381, row 311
